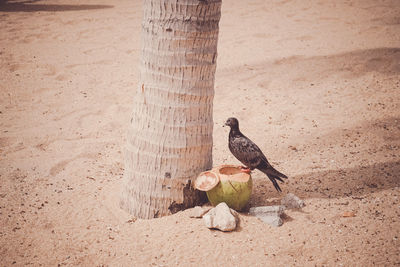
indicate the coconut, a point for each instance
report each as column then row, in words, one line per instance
column 226, row 183
column 206, row 181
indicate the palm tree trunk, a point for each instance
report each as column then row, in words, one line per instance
column 170, row 136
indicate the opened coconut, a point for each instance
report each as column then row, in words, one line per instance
column 226, row 183
column 206, row 181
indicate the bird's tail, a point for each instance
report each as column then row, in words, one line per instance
column 274, row 175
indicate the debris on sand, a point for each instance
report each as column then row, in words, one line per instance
column 198, row 212
column 348, row 214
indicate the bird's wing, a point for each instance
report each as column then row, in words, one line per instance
column 246, row 151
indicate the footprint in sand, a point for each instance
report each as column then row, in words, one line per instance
column 10, row 145
column 262, row 35
column 15, row 67
column 305, row 38
column 59, row 167
column 50, row 70
column 89, row 114
column 62, row 77
column 329, row 18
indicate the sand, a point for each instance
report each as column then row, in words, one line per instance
column 316, row 84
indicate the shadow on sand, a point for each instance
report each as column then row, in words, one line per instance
column 385, row 60
column 346, row 182
column 335, row 184
column 30, row 6
column 348, row 65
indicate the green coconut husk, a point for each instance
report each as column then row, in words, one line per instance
column 226, row 183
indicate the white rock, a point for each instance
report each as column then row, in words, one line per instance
column 222, row 218
column 291, row 201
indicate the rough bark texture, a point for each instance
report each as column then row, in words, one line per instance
column 170, row 137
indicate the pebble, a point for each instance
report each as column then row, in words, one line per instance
column 291, row 201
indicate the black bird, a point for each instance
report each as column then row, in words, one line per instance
column 249, row 154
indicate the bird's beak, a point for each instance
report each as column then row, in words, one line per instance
column 225, row 124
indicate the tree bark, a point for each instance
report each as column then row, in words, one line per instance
column 170, row 136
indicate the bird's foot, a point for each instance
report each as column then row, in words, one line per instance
column 245, row 169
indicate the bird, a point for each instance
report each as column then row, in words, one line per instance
column 250, row 155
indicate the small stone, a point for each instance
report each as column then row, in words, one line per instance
column 198, row 212
column 222, row 218
column 269, row 214
column 291, row 201
column 278, row 210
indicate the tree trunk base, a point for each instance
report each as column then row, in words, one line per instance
column 191, row 198
column 170, row 137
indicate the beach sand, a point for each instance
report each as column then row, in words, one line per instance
column 316, row 84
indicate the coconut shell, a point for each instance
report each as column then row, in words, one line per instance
column 206, row 181
column 226, row 183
